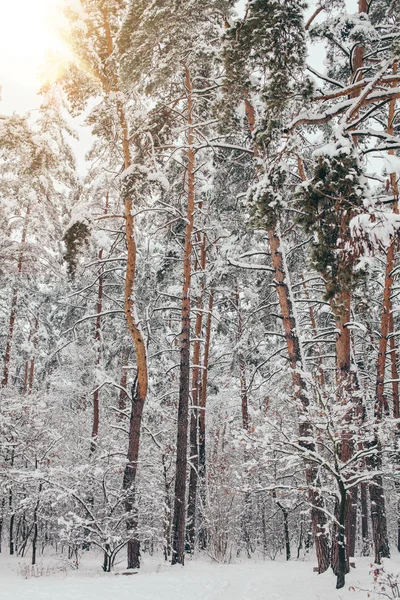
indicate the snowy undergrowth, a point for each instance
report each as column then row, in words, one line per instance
column 198, row 580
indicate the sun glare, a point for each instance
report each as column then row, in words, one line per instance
column 28, row 35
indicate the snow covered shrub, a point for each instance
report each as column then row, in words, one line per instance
column 386, row 583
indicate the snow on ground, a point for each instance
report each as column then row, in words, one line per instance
column 198, row 580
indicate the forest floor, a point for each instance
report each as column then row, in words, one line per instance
column 198, row 580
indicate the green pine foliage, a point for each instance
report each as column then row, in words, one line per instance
column 328, row 202
column 265, row 53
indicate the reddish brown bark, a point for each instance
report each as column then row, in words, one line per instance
column 393, row 369
column 345, row 532
column 178, row 526
column 378, row 505
column 392, row 342
column 318, row 517
column 139, row 389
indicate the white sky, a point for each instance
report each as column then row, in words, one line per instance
column 28, row 33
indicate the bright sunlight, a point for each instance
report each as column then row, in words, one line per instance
column 29, row 33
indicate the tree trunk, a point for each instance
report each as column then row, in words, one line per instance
column 242, row 362
column 98, row 343
column 32, row 362
column 178, row 526
column 345, row 386
column 36, row 526
column 139, row 391
column 378, row 507
column 3, row 503
column 342, row 563
column 364, row 520
column 14, row 302
column 318, row 517
column 202, row 419
column 12, row 520
column 167, row 512
column 194, row 417
column 203, row 401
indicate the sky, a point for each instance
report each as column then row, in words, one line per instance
column 29, row 31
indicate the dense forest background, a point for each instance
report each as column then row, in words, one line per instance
column 199, row 338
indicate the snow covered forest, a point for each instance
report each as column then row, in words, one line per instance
column 199, row 334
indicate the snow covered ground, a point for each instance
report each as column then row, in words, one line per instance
column 198, row 580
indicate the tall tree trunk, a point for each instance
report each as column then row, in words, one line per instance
column 194, row 417
column 98, row 344
column 202, row 419
column 36, row 526
column 11, row 511
column 3, row 503
column 318, row 517
column 178, row 525
column 345, row 385
column 364, row 520
column 241, row 361
column 139, row 389
column 31, row 376
column 204, row 383
column 392, row 342
column 14, row 302
column 378, row 506
column 246, row 516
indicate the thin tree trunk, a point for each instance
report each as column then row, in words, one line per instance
column 32, row 362
column 12, row 520
column 178, row 526
column 364, row 520
column 3, row 503
column 203, row 401
column 194, row 417
column 35, row 527
column 14, row 303
column 98, row 344
column 246, row 517
column 242, row 362
column 202, row 419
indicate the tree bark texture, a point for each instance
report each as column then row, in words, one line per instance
column 179, row 520
column 195, row 412
column 318, row 517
